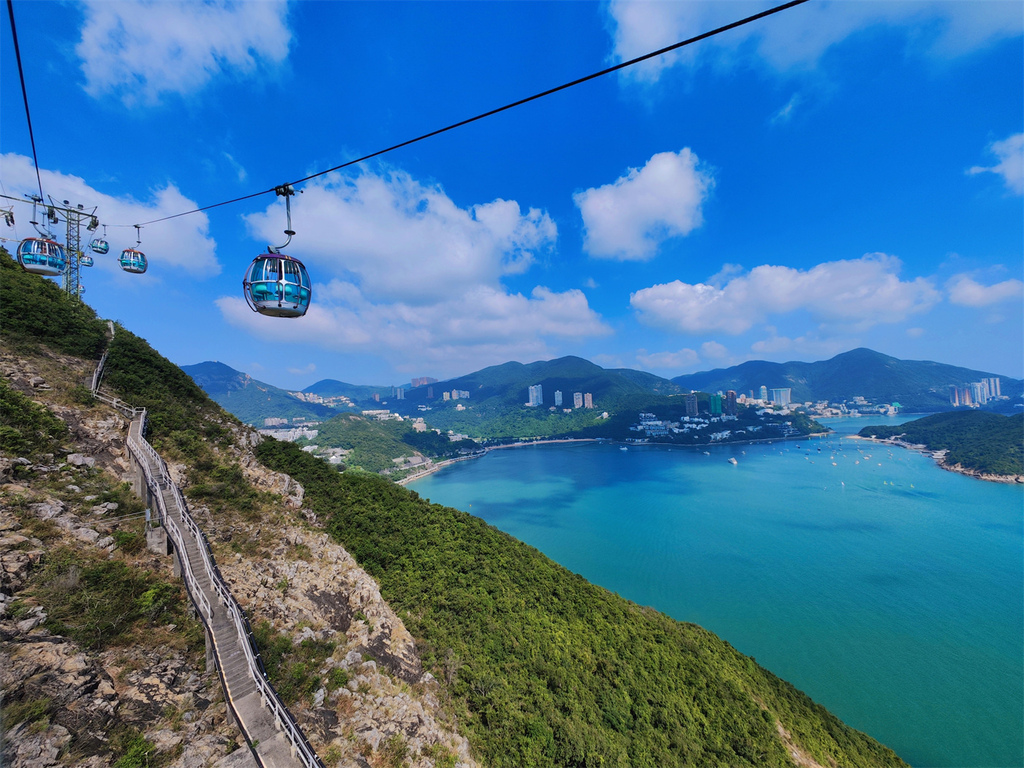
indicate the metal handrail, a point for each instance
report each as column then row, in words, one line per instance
column 147, row 457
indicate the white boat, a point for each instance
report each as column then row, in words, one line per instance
column 732, row 460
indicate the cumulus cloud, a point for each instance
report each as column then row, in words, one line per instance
column 859, row 293
column 797, row 38
column 402, row 240
column 808, row 344
column 631, row 217
column 684, row 359
column 967, row 292
column 402, row 271
column 482, row 327
column 1010, row 153
column 143, row 49
column 184, row 243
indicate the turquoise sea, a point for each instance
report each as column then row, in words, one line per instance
column 887, row 589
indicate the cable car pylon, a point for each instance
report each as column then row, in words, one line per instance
column 275, row 284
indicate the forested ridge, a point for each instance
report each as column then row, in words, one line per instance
column 977, row 440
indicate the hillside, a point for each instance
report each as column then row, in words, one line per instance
column 249, row 399
column 985, row 443
column 537, row 665
column 508, row 384
column 918, row 385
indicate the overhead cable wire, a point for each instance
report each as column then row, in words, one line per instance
column 24, row 94
column 489, row 113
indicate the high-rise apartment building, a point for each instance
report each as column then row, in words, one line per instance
column 558, row 397
column 730, row 402
column 536, row 395
column 764, row 392
column 715, row 405
column 588, row 400
column 577, row 399
column 691, row 404
column 781, row 396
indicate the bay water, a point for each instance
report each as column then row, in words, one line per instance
column 887, row 589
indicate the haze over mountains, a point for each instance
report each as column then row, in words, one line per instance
column 918, row 385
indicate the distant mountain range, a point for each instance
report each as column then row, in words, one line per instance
column 917, row 385
column 249, row 399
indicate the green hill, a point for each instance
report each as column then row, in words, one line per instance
column 985, row 442
column 249, row 399
column 509, row 383
column 918, row 385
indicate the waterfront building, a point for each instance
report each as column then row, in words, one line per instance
column 691, row 404
column 730, row 402
column 536, row 395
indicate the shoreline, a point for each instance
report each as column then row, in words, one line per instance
column 436, row 467
column 940, row 460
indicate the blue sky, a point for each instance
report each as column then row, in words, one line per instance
column 841, row 174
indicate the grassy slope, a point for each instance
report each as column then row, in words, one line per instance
column 548, row 669
column 986, row 442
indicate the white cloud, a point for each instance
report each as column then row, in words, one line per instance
column 797, row 38
column 1011, row 162
column 143, row 49
column 630, row 218
column 683, row 360
column 860, row 293
column 712, row 350
column 303, row 371
column 785, row 114
column 401, row 271
column 401, row 240
column 808, row 345
column 484, row 326
column 967, row 292
column 184, row 243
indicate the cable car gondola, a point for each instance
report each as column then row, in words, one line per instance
column 85, row 260
column 132, row 259
column 100, row 244
column 275, row 284
column 42, row 255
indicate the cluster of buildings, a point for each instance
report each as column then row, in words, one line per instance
column 579, row 399
column 339, row 401
column 974, row 394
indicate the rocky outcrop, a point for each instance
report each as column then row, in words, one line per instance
column 311, row 588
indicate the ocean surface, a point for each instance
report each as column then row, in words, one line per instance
column 887, row 589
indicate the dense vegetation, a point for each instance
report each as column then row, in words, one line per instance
column 34, row 311
column 986, row 442
column 27, row 429
column 547, row 669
